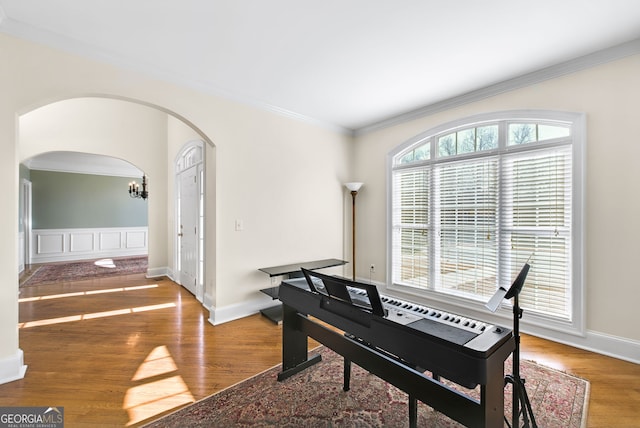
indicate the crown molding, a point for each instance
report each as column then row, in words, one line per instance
column 577, row 64
column 36, row 35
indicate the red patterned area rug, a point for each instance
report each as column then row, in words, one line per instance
column 77, row 271
column 314, row 398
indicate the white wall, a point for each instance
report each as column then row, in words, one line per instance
column 11, row 357
column 608, row 94
column 284, row 183
column 281, row 176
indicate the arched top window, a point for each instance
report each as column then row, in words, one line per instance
column 191, row 154
column 472, row 201
column 480, row 138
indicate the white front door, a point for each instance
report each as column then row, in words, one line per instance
column 188, row 230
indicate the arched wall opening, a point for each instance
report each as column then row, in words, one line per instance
column 141, row 134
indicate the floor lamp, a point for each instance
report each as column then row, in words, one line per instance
column 353, row 187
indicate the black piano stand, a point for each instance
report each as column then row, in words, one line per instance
column 413, row 401
column 520, row 399
column 347, row 375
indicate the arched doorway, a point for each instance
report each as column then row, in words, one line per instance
column 142, row 134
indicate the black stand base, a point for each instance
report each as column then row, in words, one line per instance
column 520, row 399
column 273, row 313
column 300, row 367
column 520, row 395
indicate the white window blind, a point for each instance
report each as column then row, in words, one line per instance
column 411, row 249
column 466, row 225
column 467, row 216
column 537, row 223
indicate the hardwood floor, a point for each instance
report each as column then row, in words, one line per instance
column 122, row 351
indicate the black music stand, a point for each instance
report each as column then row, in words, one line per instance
column 520, row 399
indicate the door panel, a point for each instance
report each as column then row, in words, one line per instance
column 188, row 233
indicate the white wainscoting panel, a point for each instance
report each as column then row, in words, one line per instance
column 110, row 240
column 81, row 242
column 136, row 239
column 49, row 242
column 56, row 245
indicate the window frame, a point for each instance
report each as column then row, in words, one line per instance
column 533, row 321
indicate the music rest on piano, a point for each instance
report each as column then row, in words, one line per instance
column 398, row 340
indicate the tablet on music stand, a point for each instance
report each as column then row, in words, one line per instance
column 503, row 293
column 346, row 290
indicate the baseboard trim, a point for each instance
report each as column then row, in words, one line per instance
column 221, row 315
column 12, row 368
column 158, row 272
column 169, row 273
column 611, row 346
column 601, row 343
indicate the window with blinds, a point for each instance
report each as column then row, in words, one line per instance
column 471, row 205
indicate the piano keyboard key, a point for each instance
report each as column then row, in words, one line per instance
column 405, row 312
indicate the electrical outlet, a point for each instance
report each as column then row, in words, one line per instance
column 372, row 268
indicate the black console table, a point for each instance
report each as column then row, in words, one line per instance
column 274, row 313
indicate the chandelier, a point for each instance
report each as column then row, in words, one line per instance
column 134, row 189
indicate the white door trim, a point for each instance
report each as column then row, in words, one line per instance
column 191, row 154
column 25, row 254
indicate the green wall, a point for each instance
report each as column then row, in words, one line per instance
column 66, row 200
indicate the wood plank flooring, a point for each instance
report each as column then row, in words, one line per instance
column 122, row 351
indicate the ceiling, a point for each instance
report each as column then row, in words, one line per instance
column 345, row 64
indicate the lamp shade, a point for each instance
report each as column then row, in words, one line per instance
column 353, row 186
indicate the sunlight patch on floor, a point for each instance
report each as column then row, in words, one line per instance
column 157, row 362
column 94, row 315
column 86, row 293
column 148, row 399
